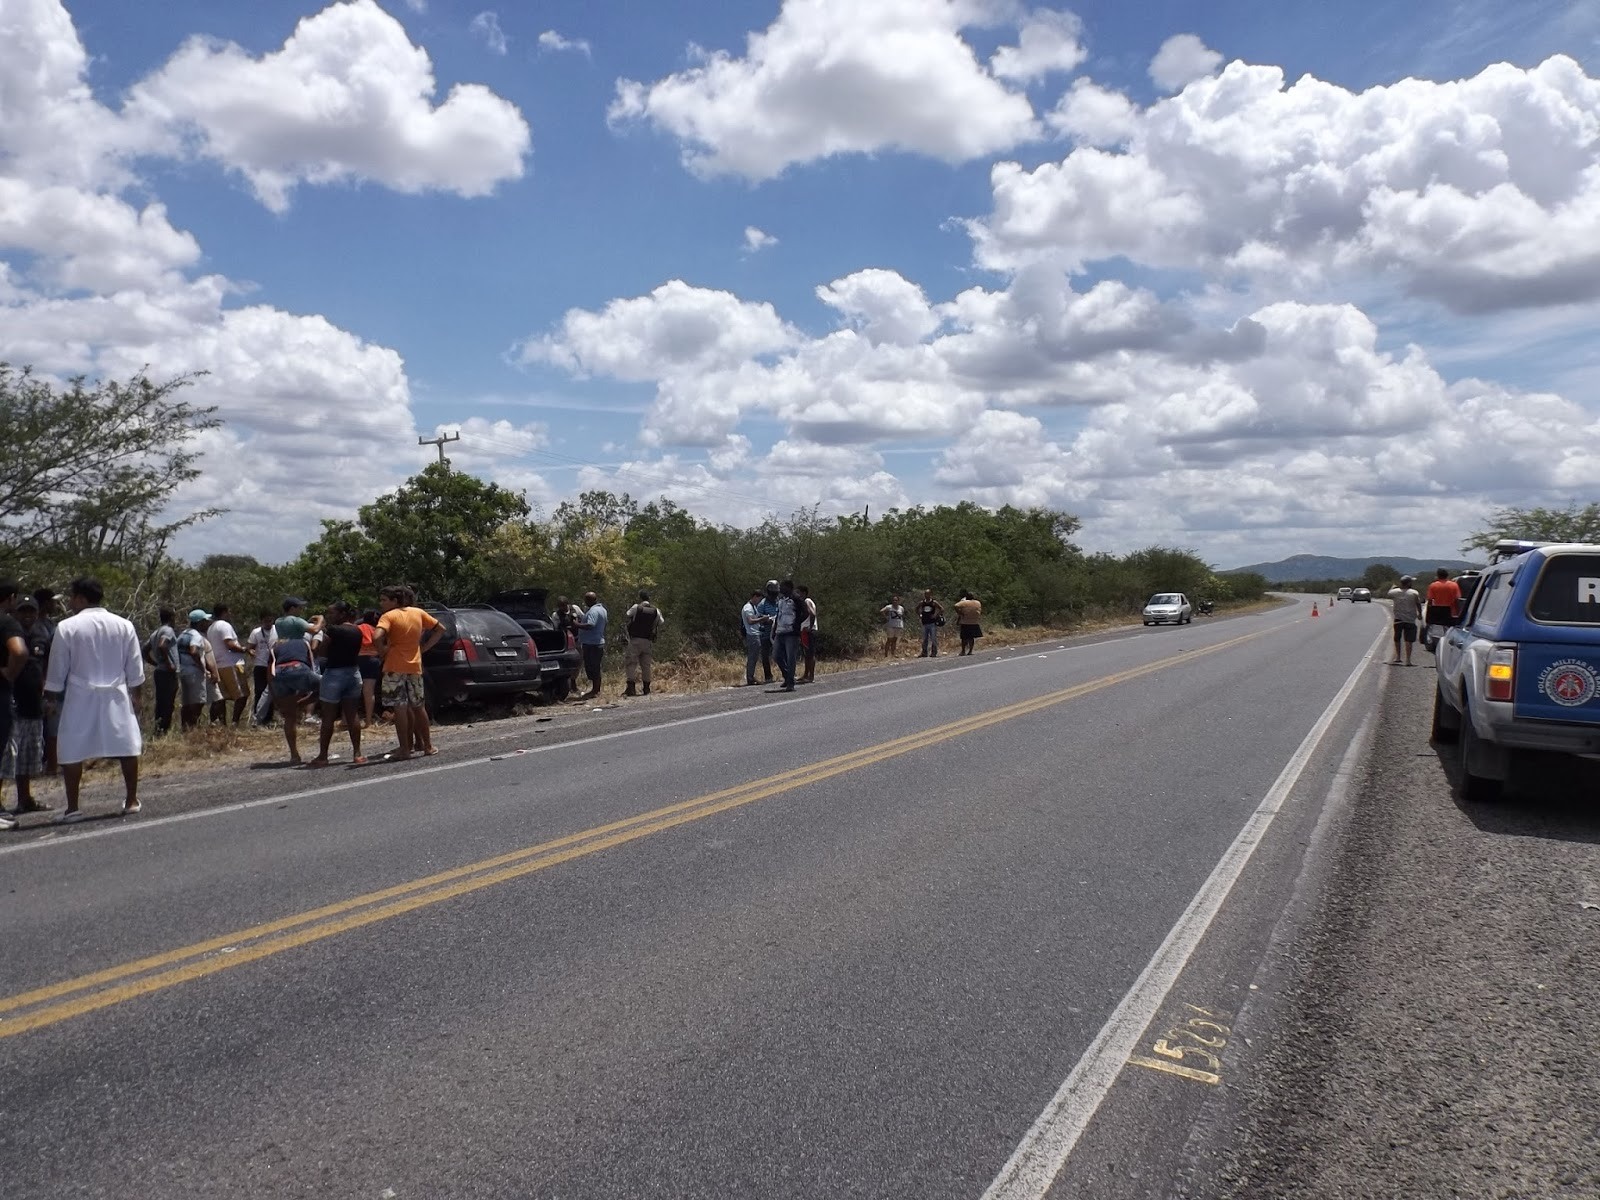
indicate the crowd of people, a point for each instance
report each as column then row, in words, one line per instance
column 780, row 626
column 338, row 665
column 72, row 687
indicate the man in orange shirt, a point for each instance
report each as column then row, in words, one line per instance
column 1444, row 601
column 404, row 632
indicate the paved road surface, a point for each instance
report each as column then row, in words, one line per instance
column 847, row 944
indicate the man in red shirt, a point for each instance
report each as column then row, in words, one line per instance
column 1444, row 604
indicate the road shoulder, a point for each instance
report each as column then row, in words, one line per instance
column 1432, row 1038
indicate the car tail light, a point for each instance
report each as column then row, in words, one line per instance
column 462, row 652
column 1502, row 673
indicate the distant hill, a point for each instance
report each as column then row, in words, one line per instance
column 1321, row 566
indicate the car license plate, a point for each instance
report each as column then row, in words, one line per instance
column 505, row 653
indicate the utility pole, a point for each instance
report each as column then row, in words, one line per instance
column 439, row 444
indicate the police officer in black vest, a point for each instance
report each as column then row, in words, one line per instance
column 643, row 623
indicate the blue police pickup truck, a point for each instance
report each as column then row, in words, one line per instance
column 1521, row 673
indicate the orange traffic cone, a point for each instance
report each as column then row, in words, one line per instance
column 1314, row 611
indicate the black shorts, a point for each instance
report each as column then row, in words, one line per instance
column 593, row 656
column 970, row 632
column 1405, row 631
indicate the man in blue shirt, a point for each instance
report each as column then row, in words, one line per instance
column 592, row 642
column 767, row 610
column 786, row 634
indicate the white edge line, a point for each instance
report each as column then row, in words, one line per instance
column 1031, row 1170
column 381, row 777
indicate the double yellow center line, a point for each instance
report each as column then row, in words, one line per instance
column 27, row 1011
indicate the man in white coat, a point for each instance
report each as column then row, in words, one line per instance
column 95, row 675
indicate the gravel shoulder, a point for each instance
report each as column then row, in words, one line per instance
column 1435, row 1039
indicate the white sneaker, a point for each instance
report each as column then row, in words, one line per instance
column 7, row 821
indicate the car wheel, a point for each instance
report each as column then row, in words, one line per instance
column 559, row 690
column 1446, row 721
column 1480, row 780
column 1147, row 624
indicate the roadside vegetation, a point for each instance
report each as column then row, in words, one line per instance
column 89, row 473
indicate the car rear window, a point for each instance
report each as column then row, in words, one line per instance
column 1568, row 591
column 489, row 625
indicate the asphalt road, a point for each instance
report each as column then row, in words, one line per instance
column 894, row 938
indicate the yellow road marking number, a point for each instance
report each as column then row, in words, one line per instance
column 1190, row 1048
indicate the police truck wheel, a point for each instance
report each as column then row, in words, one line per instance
column 1477, row 761
column 1446, row 723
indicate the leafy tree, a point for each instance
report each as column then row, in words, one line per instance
column 87, row 470
column 430, row 534
column 250, row 587
column 1574, row 523
column 459, row 539
column 1380, row 577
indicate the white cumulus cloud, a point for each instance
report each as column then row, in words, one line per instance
column 316, row 419
column 1480, row 193
column 833, row 77
column 886, row 306
column 675, row 330
column 1294, row 422
column 1047, row 42
column 1094, row 115
column 1182, row 59
column 347, row 98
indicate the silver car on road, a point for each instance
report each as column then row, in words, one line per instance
column 1168, row 606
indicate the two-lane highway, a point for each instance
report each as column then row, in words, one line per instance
column 846, row 943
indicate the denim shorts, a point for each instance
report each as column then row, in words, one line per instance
column 295, row 681
column 340, row 684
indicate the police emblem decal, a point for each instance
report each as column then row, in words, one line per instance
column 1569, row 682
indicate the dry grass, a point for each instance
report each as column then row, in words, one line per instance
column 212, row 746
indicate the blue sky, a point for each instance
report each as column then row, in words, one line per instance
column 1290, row 361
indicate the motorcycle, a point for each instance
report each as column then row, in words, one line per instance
column 1205, row 608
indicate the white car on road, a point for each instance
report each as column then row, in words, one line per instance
column 1168, row 606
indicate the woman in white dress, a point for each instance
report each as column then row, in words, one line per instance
column 94, row 677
